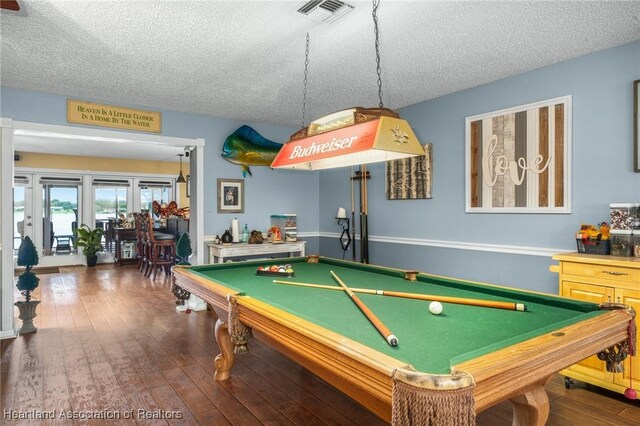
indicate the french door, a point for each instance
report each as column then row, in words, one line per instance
column 50, row 207
column 46, row 208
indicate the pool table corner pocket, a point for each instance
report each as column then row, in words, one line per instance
column 422, row 398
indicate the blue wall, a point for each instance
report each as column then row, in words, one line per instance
column 266, row 192
column 601, row 85
column 602, row 146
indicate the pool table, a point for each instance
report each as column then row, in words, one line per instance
column 451, row 365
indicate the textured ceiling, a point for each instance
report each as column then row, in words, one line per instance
column 245, row 59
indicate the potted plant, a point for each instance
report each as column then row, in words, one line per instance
column 183, row 249
column 27, row 282
column 91, row 242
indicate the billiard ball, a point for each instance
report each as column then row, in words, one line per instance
column 274, row 268
column 435, row 308
column 287, row 266
column 260, row 268
column 281, row 269
column 289, row 270
column 631, row 393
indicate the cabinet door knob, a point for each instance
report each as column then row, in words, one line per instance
column 615, row 273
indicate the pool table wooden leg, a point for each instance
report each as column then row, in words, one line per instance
column 223, row 362
column 531, row 408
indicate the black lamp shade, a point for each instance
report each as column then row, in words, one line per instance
column 181, row 178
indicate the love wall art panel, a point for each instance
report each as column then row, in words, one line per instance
column 518, row 159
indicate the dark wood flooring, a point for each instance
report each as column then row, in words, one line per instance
column 111, row 343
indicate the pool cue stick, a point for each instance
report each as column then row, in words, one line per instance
column 510, row 306
column 391, row 339
column 366, row 216
column 364, row 213
column 353, row 219
column 364, row 238
column 361, row 214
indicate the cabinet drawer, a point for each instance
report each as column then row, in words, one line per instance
column 601, row 271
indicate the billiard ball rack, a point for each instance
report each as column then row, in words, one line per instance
column 275, row 273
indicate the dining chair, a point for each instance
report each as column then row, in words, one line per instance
column 161, row 249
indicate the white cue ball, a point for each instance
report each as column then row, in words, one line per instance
column 435, row 308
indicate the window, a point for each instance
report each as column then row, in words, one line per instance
column 150, row 191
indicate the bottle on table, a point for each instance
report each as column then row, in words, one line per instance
column 245, row 234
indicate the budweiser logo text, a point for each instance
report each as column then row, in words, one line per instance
column 334, row 145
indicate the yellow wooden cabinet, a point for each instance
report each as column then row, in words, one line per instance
column 600, row 279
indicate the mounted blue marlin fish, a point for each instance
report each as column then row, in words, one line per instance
column 247, row 147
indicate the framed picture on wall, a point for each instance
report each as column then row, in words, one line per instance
column 518, row 160
column 636, row 125
column 230, row 195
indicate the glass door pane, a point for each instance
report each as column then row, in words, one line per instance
column 150, row 194
column 59, row 219
column 18, row 216
column 110, row 204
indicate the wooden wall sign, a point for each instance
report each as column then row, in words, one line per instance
column 636, row 125
column 410, row 178
column 93, row 114
column 518, row 159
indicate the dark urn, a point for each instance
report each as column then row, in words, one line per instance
column 227, row 238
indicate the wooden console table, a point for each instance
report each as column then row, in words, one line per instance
column 218, row 252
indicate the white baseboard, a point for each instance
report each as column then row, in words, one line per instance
column 9, row 334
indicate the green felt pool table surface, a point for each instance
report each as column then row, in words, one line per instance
column 430, row 343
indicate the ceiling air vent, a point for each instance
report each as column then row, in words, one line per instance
column 325, row 10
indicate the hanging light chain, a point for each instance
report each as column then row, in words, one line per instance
column 376, row 3
column 304, row 90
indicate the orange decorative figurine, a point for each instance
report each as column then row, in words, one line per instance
column 276, row 235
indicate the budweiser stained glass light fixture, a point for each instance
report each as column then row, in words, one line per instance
column 353, row 136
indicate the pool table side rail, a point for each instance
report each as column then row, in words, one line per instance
column 520, row 366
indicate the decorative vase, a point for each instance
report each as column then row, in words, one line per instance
column 227, row 238
column 27, row 314
column 92, row 260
